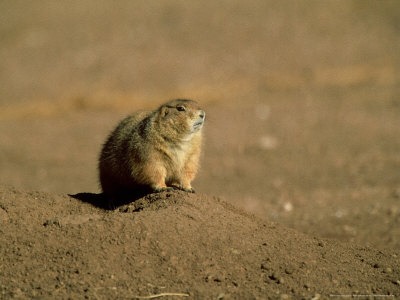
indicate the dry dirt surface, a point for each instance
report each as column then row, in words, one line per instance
column 299, row 185
column 55, row 246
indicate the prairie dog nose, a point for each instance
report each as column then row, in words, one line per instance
column 202, row 114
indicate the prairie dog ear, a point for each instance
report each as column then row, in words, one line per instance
column 164, row 111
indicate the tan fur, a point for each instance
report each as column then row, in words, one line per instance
column 158, row 150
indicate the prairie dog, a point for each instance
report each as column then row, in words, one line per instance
column 153, row 150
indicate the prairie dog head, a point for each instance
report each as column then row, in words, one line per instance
column 181, row 118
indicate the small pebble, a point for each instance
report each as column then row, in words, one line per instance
column 387, row 270
column 267, row 142
column 288, row 270
column 316, row 297
column 338, row 214
column 235, row 251
column 288, row 206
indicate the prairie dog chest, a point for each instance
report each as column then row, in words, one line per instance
column 179, row 153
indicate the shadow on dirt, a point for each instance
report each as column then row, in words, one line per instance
column 135, row 202
column 102, row 201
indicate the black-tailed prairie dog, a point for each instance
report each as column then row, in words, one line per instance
column 153, row 150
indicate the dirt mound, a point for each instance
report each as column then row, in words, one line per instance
column 197, row 245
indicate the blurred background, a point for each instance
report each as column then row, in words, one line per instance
column 302, row 100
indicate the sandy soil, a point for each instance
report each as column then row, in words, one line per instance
column 59, row 247
column 299, row 187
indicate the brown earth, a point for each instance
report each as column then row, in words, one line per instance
column 302, row 132
column 58, row 247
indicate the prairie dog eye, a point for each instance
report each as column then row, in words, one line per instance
column 181, row 108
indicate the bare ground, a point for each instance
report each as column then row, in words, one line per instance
column 58, row 247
